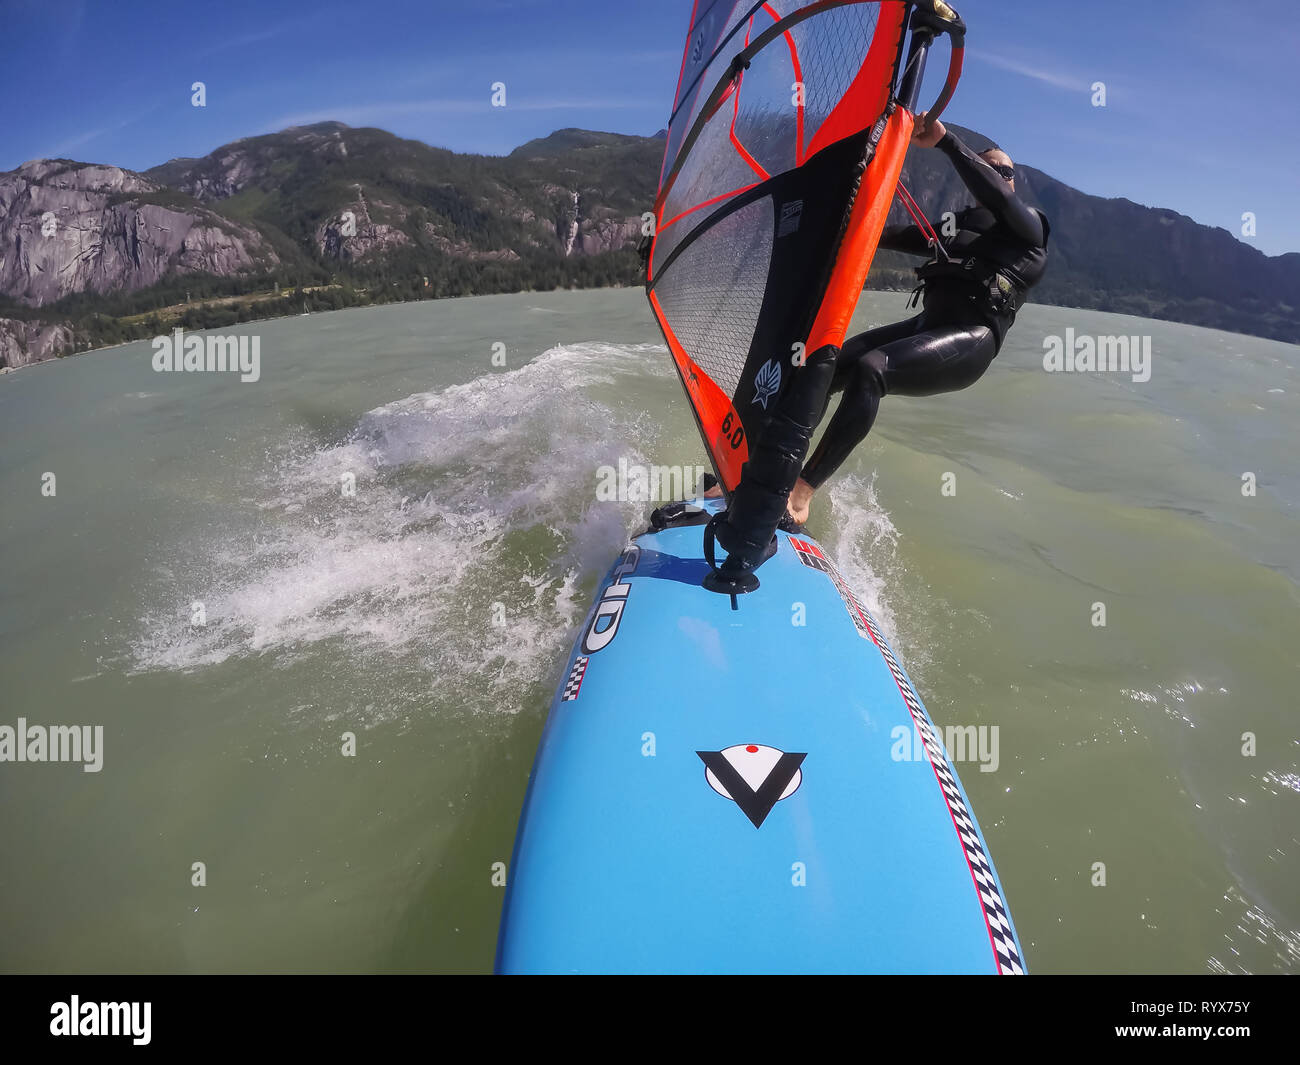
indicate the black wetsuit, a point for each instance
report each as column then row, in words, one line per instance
column 998, row 253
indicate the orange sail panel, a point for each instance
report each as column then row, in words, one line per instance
column 782, row 153
column 863, row 236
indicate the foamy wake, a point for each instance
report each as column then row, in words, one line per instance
column 474, row 505
column 864, row 545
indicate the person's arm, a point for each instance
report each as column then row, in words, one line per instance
column 992, row 191
column 905, row 238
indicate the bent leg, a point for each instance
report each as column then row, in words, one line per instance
column 939, row 360
column 853, row 349
column 923, row 364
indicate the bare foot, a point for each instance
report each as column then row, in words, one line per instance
column 798, row 505
column 800, row 500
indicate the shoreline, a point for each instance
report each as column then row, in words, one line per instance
column 281, row 317
column 6, row 370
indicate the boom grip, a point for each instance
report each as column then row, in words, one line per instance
column 949, row 86
column 934, row 17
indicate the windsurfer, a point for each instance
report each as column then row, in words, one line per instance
column 970, row 290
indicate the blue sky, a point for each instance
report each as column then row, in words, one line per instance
column 1194, row 88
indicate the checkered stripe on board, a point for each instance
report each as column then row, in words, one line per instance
column 994, row 906
column 810, row 555
column 981, row 868
column 574, row 682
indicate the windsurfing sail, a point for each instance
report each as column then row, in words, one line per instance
column 784, row 148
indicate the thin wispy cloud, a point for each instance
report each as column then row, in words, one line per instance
column 265, row 33
column 1056, row 78
column 468, row 64
column 65, row 148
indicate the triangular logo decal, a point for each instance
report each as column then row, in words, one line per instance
column 753, row 776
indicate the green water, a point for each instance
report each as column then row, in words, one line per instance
column 376, row 614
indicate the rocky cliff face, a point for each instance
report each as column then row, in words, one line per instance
column 69, row 227
column 354, row 235
column 599, row 235
column 231, row 171
column 23, row 343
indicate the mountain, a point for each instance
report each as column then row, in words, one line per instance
column 318, row 216
column 564, row 141
column 413, row 206
column 327, row 215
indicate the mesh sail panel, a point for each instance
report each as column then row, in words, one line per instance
column 716, row 290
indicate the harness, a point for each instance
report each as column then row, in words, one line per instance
column 996, row 288
column 999, row 290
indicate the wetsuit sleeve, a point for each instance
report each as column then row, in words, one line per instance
column 990, row 191
column 908, row 238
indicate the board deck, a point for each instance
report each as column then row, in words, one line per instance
column 719, row 789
